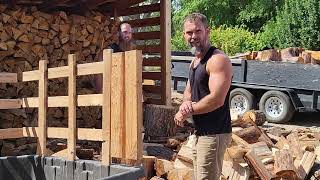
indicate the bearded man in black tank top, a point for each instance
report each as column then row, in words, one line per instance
column 206, row 99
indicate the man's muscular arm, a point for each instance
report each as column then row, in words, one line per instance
column 220, row 74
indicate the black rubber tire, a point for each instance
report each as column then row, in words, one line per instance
column 288, row 109
column 245, row 93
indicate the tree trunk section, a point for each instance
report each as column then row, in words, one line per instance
column 159, row 121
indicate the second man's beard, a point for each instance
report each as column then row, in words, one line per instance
column 125, row 45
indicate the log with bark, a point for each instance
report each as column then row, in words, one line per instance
column 159, row 121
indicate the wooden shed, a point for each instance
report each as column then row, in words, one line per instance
column 151, row 21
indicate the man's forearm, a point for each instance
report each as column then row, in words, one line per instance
column 186, row 96
column 207, row 104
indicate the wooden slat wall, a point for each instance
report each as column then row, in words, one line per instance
column 161, row 49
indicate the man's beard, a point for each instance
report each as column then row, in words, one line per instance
column 195, row 49
column 125, row 45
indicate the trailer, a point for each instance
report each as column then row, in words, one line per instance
column 277, row 88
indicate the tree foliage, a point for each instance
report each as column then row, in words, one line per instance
column 245, row 25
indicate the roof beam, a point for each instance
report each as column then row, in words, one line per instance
column 51, row 4
column 95, row 3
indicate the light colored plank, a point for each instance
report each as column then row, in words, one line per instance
column 43, row 105
column 11, row 133
column 62, row 101
column 58, row 72
column 117, row 104
column 62, row 133
column 165, row 41
column 133, row 104
column 30, row 76
column 72, row 107
column 106, row 108
column 8, row 77
column 82, row 69
column 10, row 103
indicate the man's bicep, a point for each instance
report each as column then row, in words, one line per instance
column 220, row 81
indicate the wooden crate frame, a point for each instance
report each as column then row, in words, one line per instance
column 120, row 100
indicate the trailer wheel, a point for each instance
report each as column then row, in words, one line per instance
column 241, row 100
column 277, row 106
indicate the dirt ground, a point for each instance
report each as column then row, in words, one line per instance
column 301, row 120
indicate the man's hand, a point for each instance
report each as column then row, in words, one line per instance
column 186, row 108
column 179, row 119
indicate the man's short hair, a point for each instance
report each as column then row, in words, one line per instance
column 197, row 17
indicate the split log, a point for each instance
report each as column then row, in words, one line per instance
column 148, row 165
column 180, row 164
column 254, row 161
column 295, row 145
column 239, row 141
column 278, row 131
column 283, row 164
column 269, row 55
column 250, row 134
column 185, row 154
column 233, row 171
column 255, row 116
column 162, row 167
column 180, row 174
column 305, row 164
column 306, row 57
column 282, row 143
column 317, row 152
column 159, row 120
column 157, row 178
column 261, row 149
column 235, row 154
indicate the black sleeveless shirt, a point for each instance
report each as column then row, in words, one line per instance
column 214, row 122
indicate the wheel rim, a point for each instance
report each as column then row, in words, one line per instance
column 239, row 104
column 274, row 107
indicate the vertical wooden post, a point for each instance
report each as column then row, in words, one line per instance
column 43, row 105
column 106, row 107
column 165, row 38
column 72, row 107
column 133, row 105
column 117, row 103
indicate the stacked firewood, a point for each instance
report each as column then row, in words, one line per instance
column 292, row 54
column 28, row 35
column 254, row 153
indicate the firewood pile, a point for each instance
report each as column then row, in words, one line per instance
column 256, row 152
column 28, row 35
column 292, row 54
